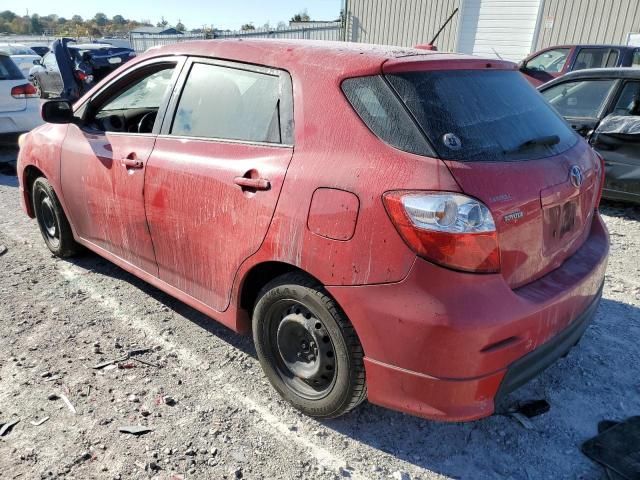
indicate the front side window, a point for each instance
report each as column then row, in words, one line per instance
column 227, row 103
column 596, row 58
column 629, row 101
column 635, row 62
column 133, row 107
column 579, row 98
column 549, row 61
column 483, row 115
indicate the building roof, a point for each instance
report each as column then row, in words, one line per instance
column 157, row 31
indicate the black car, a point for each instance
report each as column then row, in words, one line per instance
column 603, row 105
column 70, row 69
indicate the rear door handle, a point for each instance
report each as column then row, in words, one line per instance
column 253, row 183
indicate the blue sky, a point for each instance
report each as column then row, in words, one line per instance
column 193, row 13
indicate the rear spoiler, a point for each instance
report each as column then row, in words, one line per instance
column 443, row 61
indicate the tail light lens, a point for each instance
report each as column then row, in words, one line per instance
column 83, row 77
column 449, row 229
column 24, row 91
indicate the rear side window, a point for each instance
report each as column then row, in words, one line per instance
column 483, row 115
column 579, row 98
column 8, row 69
column 383, row 113
column 227, row 103
column 596, row 58
column 635, row 63
column 629, row 101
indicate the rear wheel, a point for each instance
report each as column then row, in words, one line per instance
column 307, row 348
column 52, row 221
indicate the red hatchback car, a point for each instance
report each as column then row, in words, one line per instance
column 414, row 227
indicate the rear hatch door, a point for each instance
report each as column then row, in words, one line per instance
column 508, row 148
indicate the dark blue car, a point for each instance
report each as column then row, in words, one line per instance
column 70, row 69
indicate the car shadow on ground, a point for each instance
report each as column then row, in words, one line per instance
column 498, row 445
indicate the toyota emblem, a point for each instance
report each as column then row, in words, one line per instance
column 575, row 175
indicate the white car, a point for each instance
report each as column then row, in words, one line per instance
column 22, row 56
column 19, row 101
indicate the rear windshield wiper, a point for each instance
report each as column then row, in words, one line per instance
column 534, row 142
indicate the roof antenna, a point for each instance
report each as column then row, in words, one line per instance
column 433, row 40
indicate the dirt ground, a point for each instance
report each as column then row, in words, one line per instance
column 211, row 412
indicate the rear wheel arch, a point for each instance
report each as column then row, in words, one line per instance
column 257, row 277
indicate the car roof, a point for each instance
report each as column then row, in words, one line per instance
column 596, row 73
column 588, row 45
column 345, row 58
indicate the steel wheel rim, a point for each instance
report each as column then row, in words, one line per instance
column 47, row 219
column 302, row 348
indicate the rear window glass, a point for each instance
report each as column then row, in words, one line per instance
column 8, row 69
column 483, row 115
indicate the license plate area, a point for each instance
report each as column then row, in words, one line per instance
column 562, row 224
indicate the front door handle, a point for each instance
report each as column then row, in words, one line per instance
column 253, row 183
column 131, row 161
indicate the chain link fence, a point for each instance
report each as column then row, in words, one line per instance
column 335, row 32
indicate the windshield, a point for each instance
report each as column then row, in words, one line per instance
column 490, row 115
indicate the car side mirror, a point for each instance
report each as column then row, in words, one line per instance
column 57, row 111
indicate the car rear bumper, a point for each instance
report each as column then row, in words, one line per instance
column 446, row 345
column 13, row 123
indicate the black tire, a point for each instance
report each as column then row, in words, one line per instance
column 307, row 347
column 52, row 221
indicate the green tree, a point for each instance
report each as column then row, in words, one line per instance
column 302, row 16
column 36, row 25
column 180, row 26
column 8, row 16
column 101, row 19
column 76, row 19
column 162, row 22
column 247, row 26
column 118, row 20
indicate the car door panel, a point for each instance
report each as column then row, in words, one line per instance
column 617, row 139
column 203, row 223
column 209, row 201
column 622, row 162
column 103, row 171
column 105, row 195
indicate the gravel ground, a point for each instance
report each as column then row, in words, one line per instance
column 213, row 414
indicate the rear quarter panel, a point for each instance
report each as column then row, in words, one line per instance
column 334, row 149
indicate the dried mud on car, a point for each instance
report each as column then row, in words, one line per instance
column 195, row 403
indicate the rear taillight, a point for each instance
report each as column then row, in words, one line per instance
column 449, row 229
column 24, row 91
column 602, row 175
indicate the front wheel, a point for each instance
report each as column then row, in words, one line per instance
column 52, row 221
column 307, row 348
